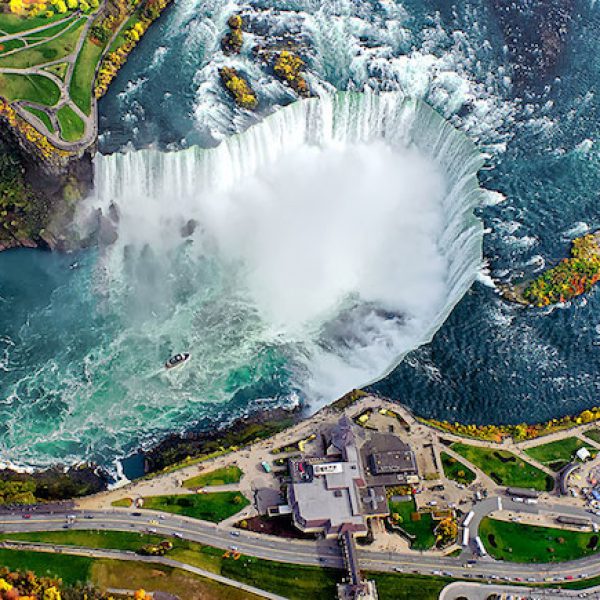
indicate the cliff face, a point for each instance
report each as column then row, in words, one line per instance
column 37, row 196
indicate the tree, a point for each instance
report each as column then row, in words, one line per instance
column 16, row 6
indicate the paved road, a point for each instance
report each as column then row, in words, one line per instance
column 477, row 591
column 321, row 552
column 125, row 555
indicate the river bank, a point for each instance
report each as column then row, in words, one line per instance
column 181, row 450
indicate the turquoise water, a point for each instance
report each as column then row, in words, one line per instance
column 82, row 348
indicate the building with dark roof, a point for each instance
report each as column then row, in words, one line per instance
column 338, row 492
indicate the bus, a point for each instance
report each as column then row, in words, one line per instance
column 468, row 519
column 465, row 538
column 480, row 546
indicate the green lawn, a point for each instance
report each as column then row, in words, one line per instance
column 556, row 454
column 72, row 127
column 10, row 45
column 70, row 569
column 55, row 49
column 35, row 88
column 116, row 540
column 210, row 507
column 504, row 467
column 84, row 75
column 422, row 529
column 42, row 116
column 516, row 542
column 122, row 502
column 50, row 31
column 231, row 474
column 10, row 23
column 59, row 69
column 454, row 469
column 593, row 434
column 408, row 587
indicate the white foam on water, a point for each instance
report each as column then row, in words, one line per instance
column 347, row 221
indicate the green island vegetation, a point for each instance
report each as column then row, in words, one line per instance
column 292, row 581
column 557, row 454
column 233, row 40
column 593, row 434
column 71, row 125
column 43, row 116
column 223, row 476
column 572, row 277
column 288, row 67
column 504, row 467
column 239, row 88
column 517, row 542
column 520, row 432
column 457, row 471
column 215, row 507
column 418, row 526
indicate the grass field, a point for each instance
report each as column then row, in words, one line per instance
column 422, row 529
column 59, row 69
column 408, row 587
column 557, row 454
column 70, row 569
column 83, row 76
column 35, row 88
column 115, row 540
column 231, row 474
column 122, row 502
column 593, row 434
column 504, row 467
column 72, row 127
column 10, row 23
column 120, row 574
column 516, row 542
column 48, row 51
column 210, row 507
column 135, row 575
column 10, row 45
column 42, row 116
column 455, row 470
column 50, row 31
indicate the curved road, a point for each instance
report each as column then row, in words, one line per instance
column 321, row 552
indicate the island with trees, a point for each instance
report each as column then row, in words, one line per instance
column 572, row 277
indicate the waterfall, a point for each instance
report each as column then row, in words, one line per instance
column 353, row 322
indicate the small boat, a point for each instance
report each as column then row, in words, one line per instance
column 177, row 360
